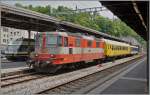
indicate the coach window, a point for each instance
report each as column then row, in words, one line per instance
column 78, row 42
column 59, row 41
column 65, row 41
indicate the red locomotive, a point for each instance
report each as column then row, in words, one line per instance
column 55, row 49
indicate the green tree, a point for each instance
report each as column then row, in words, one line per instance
column 113, row 27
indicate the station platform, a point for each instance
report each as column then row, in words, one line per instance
column 9, row 70
column 131, row 81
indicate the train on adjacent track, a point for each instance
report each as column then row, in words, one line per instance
column 54, row 50
column 18, row 49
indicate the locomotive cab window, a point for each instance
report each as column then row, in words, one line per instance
column 51, row 40
column 65, row 41
column 59, row 41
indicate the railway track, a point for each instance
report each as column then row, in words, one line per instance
column 69, row 82
column 17, row 72
column 75, row 86
column 20, row 78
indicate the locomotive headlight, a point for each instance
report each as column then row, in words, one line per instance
column 52, row 55
column 30, row 61
column 47, row 62
column 36, row 55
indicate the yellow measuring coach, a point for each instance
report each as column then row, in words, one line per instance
column 114, row 48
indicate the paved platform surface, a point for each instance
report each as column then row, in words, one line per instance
column 131, row 81
column 13, row 69
column 9, row 65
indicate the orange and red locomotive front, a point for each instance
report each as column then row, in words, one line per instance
column 53, row 49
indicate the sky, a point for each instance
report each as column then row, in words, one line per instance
column 55, row 3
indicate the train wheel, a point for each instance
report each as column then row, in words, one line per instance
column 49, row 69
column 10, row 58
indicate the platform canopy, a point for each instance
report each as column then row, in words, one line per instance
column 134, row 13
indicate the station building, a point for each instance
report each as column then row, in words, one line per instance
column 9, row 34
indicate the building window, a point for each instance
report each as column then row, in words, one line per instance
column 18, row 33
column 4, row 40
column 5, row 29
column 14, row 33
